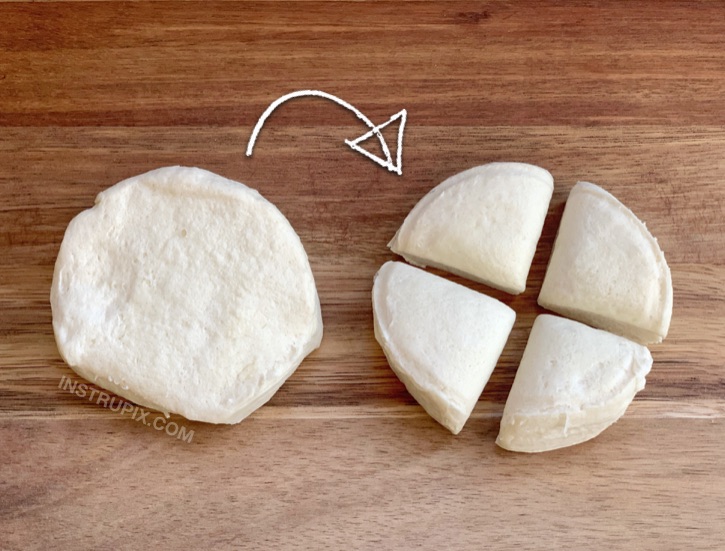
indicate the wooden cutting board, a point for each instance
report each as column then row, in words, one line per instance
column 630, row 95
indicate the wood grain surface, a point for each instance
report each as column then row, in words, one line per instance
column 630, row 95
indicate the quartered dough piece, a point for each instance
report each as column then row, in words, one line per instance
column 482, row 224
column 573, row 382
column 607, row 270
column 185, row 292
column 441, row 339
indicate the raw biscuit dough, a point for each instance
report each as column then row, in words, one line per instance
column 185, row 292
column 482, row 224
column 607, row 270
column 441, row 339
column 573, row 382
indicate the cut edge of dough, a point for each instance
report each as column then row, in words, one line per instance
column 423, row 263
column 597, row 321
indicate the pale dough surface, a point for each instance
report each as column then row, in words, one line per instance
column 185, row 292
column 607, row 270
column 483, row 224
column 442, row 339
column 573, row 382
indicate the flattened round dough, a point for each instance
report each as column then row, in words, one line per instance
column 185, row 292
column 607, row 270
column 441, row 339
column 573, row 382
column 482, row 224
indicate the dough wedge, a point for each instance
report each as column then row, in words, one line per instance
column 573, row 382
column 482, row 224
column 607, row 270
column 441, row 339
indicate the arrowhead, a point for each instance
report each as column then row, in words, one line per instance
column 388, row 163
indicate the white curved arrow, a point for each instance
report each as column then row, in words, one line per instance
column 396, row 167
